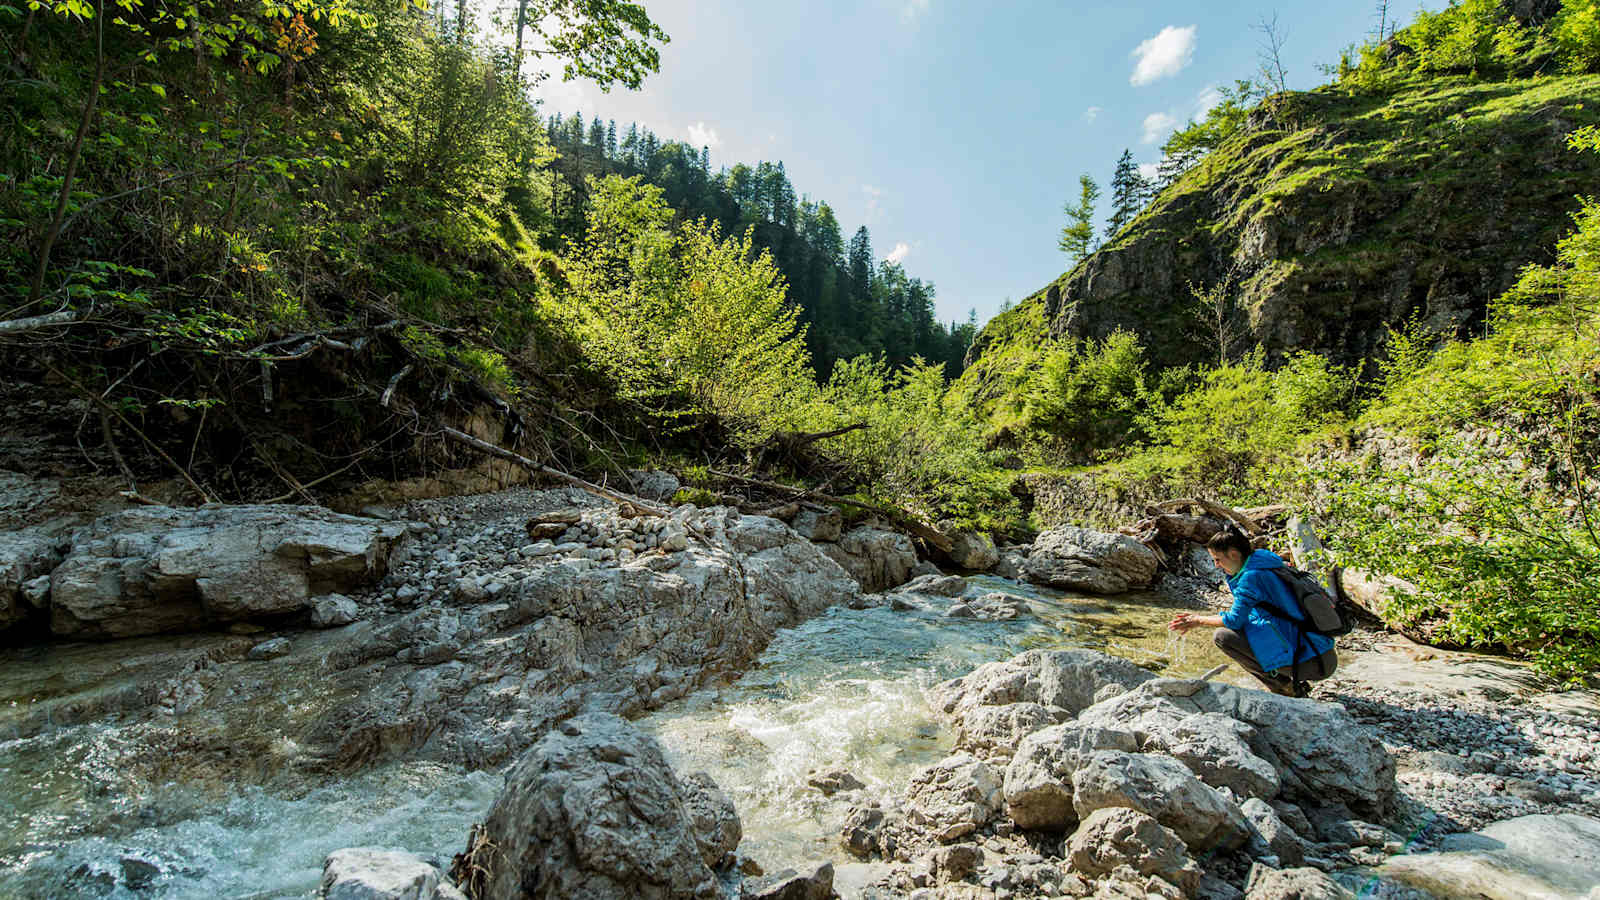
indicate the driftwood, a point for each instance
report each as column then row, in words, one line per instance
column 935, row 538
column 1210, row 506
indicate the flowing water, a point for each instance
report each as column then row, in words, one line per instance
column 842, row 692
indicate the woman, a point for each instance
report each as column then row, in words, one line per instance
column 1261, row 630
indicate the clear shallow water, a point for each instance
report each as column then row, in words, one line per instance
column 842, row 692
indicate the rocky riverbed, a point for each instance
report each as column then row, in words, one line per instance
column 362, row 681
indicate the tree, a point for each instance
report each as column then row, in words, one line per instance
column 1217, row 313
column 1079, row 233
column 1129, row 192
column 1384, row 25
column 1269, row 54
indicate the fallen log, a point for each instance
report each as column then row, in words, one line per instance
column 935, row 538
column 1216, row 509
column 627, row 507
column 34, row 323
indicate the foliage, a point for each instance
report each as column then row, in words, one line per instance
column 684, row 320
column 923, row 447
column 1078, row 234
column 1091, row 395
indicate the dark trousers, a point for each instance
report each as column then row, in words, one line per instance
column 1278, row 681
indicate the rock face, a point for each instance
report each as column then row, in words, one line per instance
column 594, row 811
column 878, row 559
column 152, row 570
column 372, row 873
column 1532, row 856
column 25, row 556
column 1094, row 562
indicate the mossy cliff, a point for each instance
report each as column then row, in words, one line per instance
column 1328, row 217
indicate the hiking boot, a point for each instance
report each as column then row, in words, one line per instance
column 1302, row 689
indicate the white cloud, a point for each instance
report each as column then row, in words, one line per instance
column 1209, row 99
column 913, row 9
column 1164, row 55
column 1157, row 126
column 1149, row 171
column 899, row 253
column 702, row 136
column 1092, row 113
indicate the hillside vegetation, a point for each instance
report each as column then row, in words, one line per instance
column 1375, row 301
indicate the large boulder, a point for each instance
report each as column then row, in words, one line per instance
column 1063, row 681
column 1162, row 788
column 953, row 798
column 972, row 550
column 1319, row 751
column 1217, row 748
column 157, row 569
column 821, row 525
column 1094, row 562
column 878, row 559
column 816, row 883
column 1038, row 781
column 1119, row 836
column 373, row 873
column 25, row 556
column 1531, row 856
column 654, row 484
column 996, row 730
column 593, row 811
column 1292, row 884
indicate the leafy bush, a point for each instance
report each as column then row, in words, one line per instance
column 1089, row 395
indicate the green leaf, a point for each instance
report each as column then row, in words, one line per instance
column 159, row 90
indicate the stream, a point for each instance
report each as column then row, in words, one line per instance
column 841, row 692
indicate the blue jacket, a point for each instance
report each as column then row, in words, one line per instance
column 1272, row 638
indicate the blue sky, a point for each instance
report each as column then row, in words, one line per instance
column 954, row 129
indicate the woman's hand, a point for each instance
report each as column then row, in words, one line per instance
column 1182, row 622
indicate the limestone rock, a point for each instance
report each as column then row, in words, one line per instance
column 25, row 556
column 269, row 649
column 1162, row 788
column 973, row 551
column 1119, row 836
column 654, row 484
column 1276, row 837
column 1011, row 565
column 1217, row 748
column 716, row 822
column 372, row 873
column 1292, row 884
column 876, row 558
column 996, row 730
column 937, row 584
column 594, row 811
column 333, row 610
column 156, row 569
column 1065, row 681
column 1531, row 856
column 790, row 884
column 825, row 526
column 1319, row 751
column 835, row 782
column 954, row 797
column 1095, row 562
column 992, row 607
column 1038, row 781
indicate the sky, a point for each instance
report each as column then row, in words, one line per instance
column 955, row 130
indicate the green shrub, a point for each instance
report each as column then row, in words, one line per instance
column 1090, row 395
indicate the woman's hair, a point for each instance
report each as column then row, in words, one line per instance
column 1230, row 539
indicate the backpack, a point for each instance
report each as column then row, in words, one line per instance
column 1325, row 614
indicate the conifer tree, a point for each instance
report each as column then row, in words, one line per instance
column 1129, row 193
column 1077, row 236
